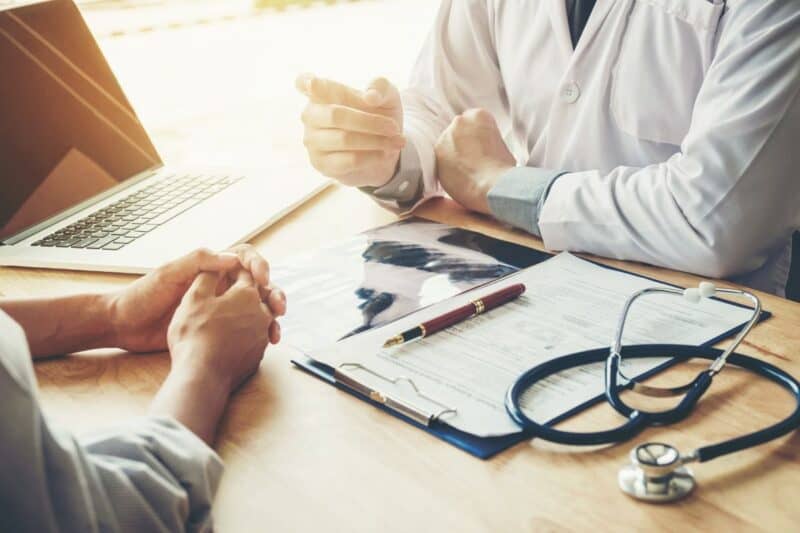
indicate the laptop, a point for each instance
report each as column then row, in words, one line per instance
column 81, row 184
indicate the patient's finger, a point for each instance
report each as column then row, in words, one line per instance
column 184, row 269
column 276, row 300
column 275, row 332
column 205, row 284
column 244, row 279
column 254, row 262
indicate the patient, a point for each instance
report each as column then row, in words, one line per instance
column 215, row 313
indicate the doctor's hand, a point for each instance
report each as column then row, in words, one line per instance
column 140, row 314
column 471, row 155
column 351, row 135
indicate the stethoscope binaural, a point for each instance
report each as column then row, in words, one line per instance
column 657, row 471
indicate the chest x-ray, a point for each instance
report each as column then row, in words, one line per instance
column 384, row 274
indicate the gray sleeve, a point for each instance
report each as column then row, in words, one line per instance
column 406, row 186
column 519, row 195
column 150, row 475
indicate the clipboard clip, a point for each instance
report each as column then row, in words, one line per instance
column 403, row 407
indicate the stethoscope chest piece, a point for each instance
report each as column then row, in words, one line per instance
column 656, row 474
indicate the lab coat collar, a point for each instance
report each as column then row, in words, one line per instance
column 599, row 13
column 558, row 18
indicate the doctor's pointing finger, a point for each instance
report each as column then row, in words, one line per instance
column 352, row 135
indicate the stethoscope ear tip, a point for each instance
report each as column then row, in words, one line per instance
column 706, row 289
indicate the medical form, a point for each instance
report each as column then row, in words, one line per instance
column 570, row 305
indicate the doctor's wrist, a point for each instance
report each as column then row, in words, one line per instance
column 484, row 183
column 383, row 174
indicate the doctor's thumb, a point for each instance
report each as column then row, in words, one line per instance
column 479, row 116
column 381, row 93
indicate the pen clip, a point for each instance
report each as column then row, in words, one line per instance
column 398, row 405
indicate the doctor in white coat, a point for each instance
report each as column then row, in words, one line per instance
column 662, row 131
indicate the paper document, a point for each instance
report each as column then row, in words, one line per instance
column 570, row 305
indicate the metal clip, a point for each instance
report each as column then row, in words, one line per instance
column 403, row 407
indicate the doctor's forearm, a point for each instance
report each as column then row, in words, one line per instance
column 57, row 326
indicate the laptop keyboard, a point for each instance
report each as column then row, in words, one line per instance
column 137, row 214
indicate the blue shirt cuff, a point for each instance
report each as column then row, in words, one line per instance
column 519, row 195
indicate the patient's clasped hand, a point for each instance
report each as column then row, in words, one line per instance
column 216, row 314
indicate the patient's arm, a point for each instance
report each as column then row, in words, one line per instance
column 135, row 318
column 148, row 474
column 68, row 324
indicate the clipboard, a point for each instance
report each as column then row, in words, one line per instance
column 429, row 421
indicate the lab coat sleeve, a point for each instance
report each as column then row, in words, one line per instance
column 731, row 194
column 457, row 69
column 151, row 474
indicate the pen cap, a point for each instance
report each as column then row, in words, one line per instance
column 496, row 299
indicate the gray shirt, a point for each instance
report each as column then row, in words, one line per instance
column 150, row 474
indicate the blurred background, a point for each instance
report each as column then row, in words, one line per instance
column 213, row 81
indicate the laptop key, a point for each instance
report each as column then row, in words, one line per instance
column 113, row 246
column 100, row 243
column 135, row 234
column 84, row 243
column 172, row 213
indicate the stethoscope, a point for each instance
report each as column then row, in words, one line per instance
column 657, row 472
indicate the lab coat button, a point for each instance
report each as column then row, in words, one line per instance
column 570, row 93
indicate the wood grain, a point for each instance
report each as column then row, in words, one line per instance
column 303, row 456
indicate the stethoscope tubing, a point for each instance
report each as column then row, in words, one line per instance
column 638, row 420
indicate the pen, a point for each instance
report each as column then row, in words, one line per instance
column 478, row 307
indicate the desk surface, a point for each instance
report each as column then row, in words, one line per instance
column 303, row 456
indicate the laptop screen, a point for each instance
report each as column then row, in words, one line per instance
column 67, row 131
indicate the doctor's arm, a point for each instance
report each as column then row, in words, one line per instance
column 715, row 208
column 456, row 70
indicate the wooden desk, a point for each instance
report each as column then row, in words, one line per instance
column 303, row 456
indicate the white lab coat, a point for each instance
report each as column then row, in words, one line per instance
column 678, row 122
